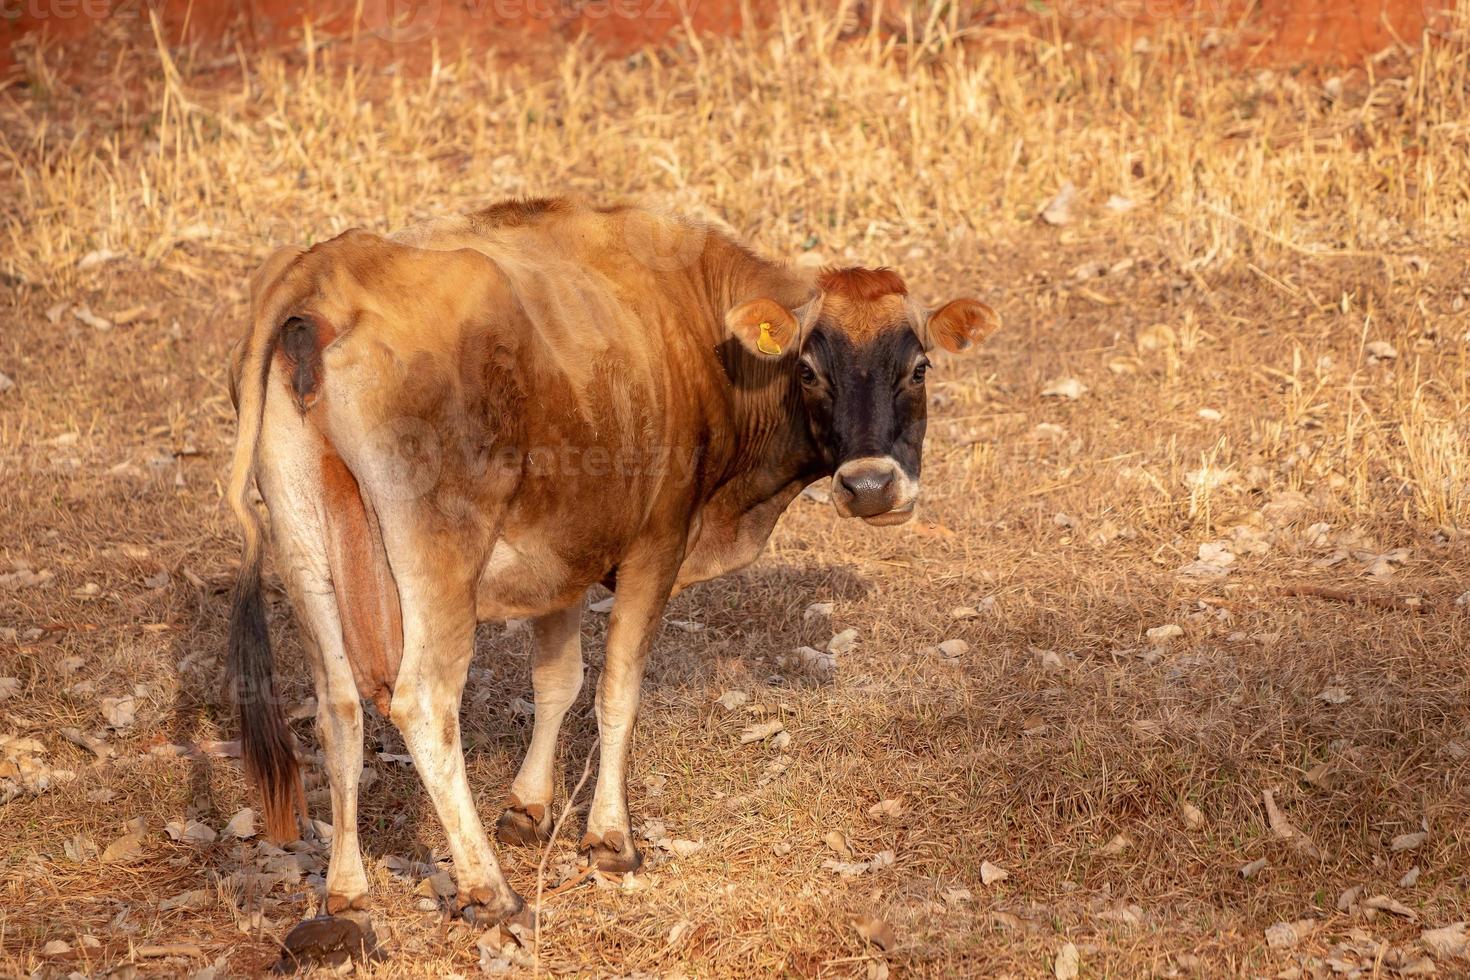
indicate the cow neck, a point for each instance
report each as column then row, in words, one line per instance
column 773, row 446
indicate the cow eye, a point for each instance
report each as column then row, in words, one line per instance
column 807, row 375
column 920, row 370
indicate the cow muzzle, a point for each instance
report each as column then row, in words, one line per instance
column 876, row 489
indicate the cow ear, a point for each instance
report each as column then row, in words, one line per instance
column 764, row 327
column 959, row 325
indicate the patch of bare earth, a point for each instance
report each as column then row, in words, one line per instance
column 1168, row 678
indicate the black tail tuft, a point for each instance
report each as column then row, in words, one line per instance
column 266, row 745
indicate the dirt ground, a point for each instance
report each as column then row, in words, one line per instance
column 1194, row 515
column 1257, row 32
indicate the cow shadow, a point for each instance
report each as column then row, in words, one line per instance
column 732, row 631
column 739, row 631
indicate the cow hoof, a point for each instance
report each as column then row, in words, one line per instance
column 338, row 903
column 484, row 911
column 328, row 940
column 523, row 825
column 613, row 852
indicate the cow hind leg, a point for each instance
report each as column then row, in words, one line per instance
column 339, row 727
column 438, row 642
column 556, row 677
column 291, row 479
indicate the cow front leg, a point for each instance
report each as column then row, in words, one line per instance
column 437, row 645
column 641, row 595
column 556, row 677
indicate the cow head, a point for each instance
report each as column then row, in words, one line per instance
column 858, row 351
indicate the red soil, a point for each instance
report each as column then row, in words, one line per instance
column 1275, row 32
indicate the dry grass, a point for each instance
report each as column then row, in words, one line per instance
column 1279, row 233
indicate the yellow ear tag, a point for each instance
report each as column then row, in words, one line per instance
column 765, row 343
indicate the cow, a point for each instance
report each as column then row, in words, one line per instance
column 480, row 418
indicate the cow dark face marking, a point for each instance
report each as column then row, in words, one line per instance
column 867, row 412
column 860, row 359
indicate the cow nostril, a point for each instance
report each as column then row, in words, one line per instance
column 865, row 483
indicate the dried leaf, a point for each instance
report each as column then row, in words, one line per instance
column 991, row 873
column 1068, row 963
column 440, row 884
column 1068, row 388
column 817, row 610
column 1058, row 210
column 97, row 746
column 887, row 811
column 1253, row 868
column 1285, row 935
column 1161, row 635
column 99, row 256
column 24, row 578
column 125, row 850
column 1379, row 350
column 197, row 898
column 190, row 832
column 79, row 849
column 1408, row 842
column 762, row 731
column 822, row 664
column 681, row 848
column 1386, row 904
column 836, row 840
column 1283, row 829
column 875, row 931
column 1160, row 336
column 731, row 700
column 241, row 825
column 120, row 712
column 99, row 323
column 1446, row 941
column 1194, row 817
column 954, row 648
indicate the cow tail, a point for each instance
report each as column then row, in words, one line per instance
column 267, row 747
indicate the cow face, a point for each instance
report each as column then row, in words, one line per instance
column 859, row 354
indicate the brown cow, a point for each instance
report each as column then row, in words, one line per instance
column 481, row 417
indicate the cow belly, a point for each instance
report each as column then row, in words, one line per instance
column 525, row 577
